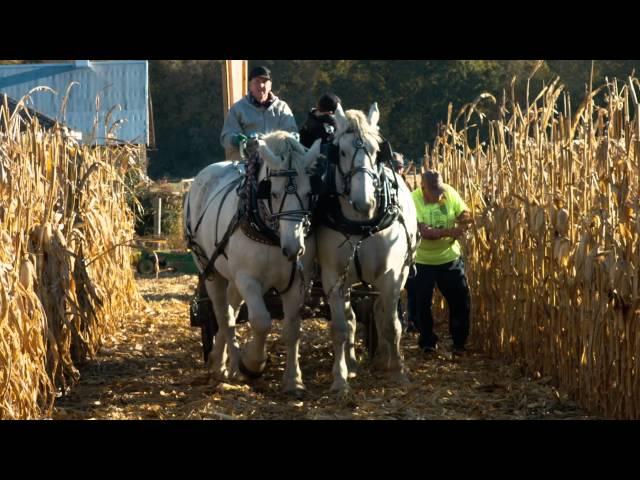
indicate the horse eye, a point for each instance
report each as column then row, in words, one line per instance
column 274, row 195
column 342, row 153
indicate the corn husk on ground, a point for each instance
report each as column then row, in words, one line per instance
column 64, row 275
column 552, row 262
column 553, row 257
column 152, row 368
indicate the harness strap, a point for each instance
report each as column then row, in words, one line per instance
column 204, row 210
column 209, row 269
column 220, row 246
column 356, row 260
column 293, row 275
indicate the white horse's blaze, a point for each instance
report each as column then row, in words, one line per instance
column 252, row 268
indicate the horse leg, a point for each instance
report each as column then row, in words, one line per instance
column 389, row 327
column 380, row 360
column 218, row 357
column 292, row 302
column 352, row 362
column 225, row 339
column 234, row 301
column 339, row 333
column 253, row 358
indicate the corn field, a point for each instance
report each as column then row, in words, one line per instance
column 553, row 257
column 65, row 276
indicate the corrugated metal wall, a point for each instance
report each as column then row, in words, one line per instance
column 116, row 83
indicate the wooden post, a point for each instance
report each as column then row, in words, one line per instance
column 427, row 163
column 157, row 216
column 234, row 87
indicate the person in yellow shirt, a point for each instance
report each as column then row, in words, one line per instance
column 443, row 217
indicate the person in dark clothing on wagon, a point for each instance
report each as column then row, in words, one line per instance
column 320, row 121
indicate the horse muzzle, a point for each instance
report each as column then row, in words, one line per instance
column 365, row 208
column 292, row 255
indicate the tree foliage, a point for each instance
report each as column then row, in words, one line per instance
column 413, row 96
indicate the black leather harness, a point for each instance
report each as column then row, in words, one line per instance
column 248, row 217
column 387, row 211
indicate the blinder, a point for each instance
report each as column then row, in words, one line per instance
column 264, row 189
column 385, row 154
column 317, row 184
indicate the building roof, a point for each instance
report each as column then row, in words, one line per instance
column 122, row 88
column 44, row 120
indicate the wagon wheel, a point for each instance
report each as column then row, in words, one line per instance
column 203, row 316
column 208, row 332
column 403, row 308
column 363, row 309
column 146, row 266
column 272, row 301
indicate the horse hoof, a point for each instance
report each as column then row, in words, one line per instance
column 399, row 378
column 352, row 368
column 341, row 389
column 218, row 374
column 344, row 396
column 297, row 393
column 377, row 366
column 248, row 373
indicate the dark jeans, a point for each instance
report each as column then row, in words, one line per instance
column 452, row 283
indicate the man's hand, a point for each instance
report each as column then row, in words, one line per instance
column 252, row 145
column 238, row 138
column 454, row 232
column 429, row 233
column 464, row 219
column 438, row 233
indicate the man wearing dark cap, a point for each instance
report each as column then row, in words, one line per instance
column 443, row 217
column 320, row 121
column 258, row 113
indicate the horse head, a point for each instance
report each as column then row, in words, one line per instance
column 285, row 185
column 358, row 141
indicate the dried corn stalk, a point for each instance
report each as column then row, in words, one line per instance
column 65, row 276
column 554, row 257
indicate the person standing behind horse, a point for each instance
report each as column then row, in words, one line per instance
column 409, row 324
column 398, row 164
column 443, row 217
column 258, row 113
column 320, row 121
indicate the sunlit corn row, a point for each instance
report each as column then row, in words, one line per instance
column 553, row 257
column 65, row 276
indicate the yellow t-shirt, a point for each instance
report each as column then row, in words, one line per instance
column 439, row 215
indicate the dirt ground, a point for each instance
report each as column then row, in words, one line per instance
column 153, row 369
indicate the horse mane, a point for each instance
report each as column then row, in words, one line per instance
column 282, row 144
column 358, row 122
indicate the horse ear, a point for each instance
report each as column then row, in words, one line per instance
column 341, row 119
column 312, row 155
column 374, row 115
column 268, row 156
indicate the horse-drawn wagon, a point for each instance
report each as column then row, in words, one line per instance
column 362, row 245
